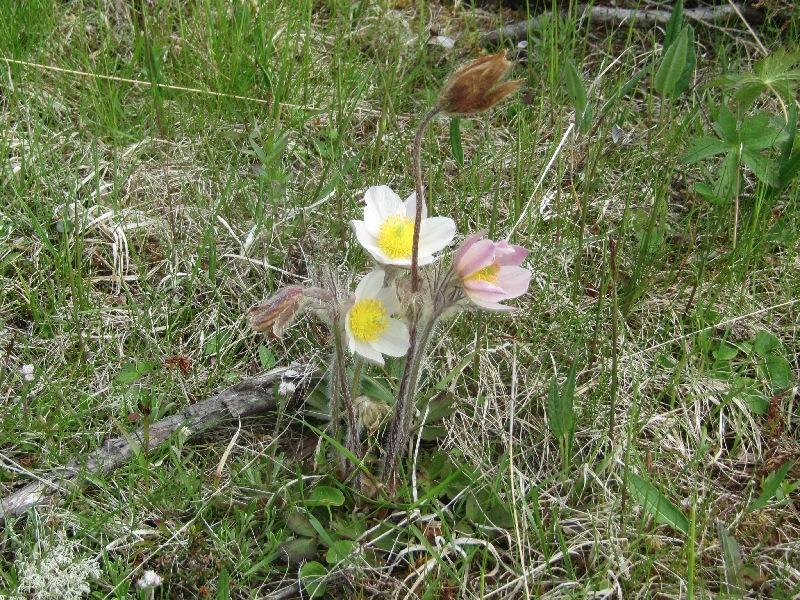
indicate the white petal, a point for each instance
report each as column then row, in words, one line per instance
column 381, row 203
column 410, row 206
column 369, row 242
column 351, row 341
column 368, row 352
column 370, row 285
column 388, row 296
column 394, row 341
column 435, row 234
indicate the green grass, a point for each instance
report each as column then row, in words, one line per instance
column 139, row 223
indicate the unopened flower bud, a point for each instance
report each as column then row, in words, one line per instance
column 370, row 412
column 278, row 312
column 476, row 87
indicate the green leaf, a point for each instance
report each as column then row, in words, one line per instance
column 778, row 371
column 765, row 343
column 685, row 80
column 672, row 66
column 703, row 148
column 486, row 508
column 297, row 550
column 376, row 390
column 726, row 184
column 755, row 400
column 325, row 495
column 758, row 131
column 625, row 89
column 223, row 585
column 266, row 357
column 455, row 141
column 654, row 502
column 674, row 25
column 731, row 560
column 339, row 551
column 132, row 372
column 577, row 93
column 725, row 351
column 312, row 575
column 770, row 486
column 790, row 169
column 725, row 126
column 761, row 166
column 215, row 343
column 298, row 522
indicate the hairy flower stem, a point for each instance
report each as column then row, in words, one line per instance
column 352, row 442
column 416, row 164
column 400, row 429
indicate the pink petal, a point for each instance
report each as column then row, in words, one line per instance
column 485, row 290
column 509, row 254
column 513, row 280
column 466, row 245
column 479, row 300
column 479, row 255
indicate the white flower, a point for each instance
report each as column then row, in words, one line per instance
column 286, row 388
column 149, row 580
column 387, row 231
column 27, row 372
column 371, row 330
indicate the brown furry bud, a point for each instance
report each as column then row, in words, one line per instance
column 476, row 87
column 277, row 312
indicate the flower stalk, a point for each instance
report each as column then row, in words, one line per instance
column 416, row 165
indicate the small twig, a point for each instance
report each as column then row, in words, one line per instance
column 250, row 397
column 640, row 18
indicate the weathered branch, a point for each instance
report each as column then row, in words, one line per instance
column 250, row 397
column 640, row 18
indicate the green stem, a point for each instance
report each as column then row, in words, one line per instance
column 353, row 443
column 359, row 366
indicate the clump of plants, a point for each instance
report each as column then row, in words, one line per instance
column 415, row 284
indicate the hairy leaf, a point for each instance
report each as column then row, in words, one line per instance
column 654, row 502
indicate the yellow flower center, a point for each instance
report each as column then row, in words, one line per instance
column 489, row 274
column 368, row 319
column 396, row 237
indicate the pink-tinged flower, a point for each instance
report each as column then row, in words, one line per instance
column 490, row 271
column 387, row 231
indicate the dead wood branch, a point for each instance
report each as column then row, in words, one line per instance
column 640, row 18
column 250, row 397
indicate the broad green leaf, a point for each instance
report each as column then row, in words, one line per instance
column 485, row 508
column 339, row 551
column 376, row 390
column 726, row 184
column 731, row 560
column 703, row 148
column 770, row 486
column 674, row 25
column 778, row 371
column 298, row 522
column 790, row 169
column 297, row 550
column 685, row 79
column 577, row 93
column 758, row 131
column 765, row 343
column 312, row 574
column 725, row 351
column 725, row 126
column 672, row 66
column 755, row 400
column 654, row 502
column 761, row 166
column 455, row 141
column 325, row 495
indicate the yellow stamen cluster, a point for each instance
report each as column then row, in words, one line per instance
column 368, row 319
column 489, row 274
column 396, row 237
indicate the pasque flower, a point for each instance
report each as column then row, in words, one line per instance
column 387, row 231
column 371, row 329
column 476, row 87
column 490, row 272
